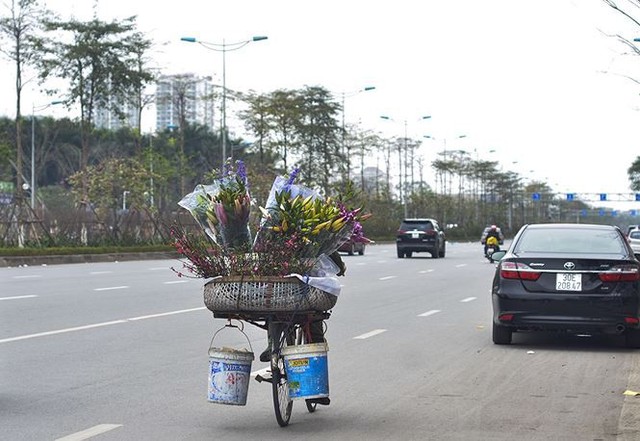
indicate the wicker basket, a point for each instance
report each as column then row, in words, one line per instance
column 268, row 294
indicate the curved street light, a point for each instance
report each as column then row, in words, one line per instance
column 35, row 108
column 344, row 96
column 224, row 47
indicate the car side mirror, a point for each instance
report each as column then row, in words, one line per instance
column 497, row 256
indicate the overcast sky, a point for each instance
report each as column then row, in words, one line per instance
column 538, row 82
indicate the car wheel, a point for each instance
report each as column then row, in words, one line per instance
column 443, row 251
column 408, row 253
column 501, row 335
column 352, row 250
column 632, row 338
column 400, row 254
column 361, row 251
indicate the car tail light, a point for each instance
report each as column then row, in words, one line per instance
column 513, row 270
column 621, row 273
column 631, row 320
column 505, row 317
column 401, row 231
column 430, row 233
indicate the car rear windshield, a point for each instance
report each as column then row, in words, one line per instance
column 563, row 240
column 635, row 234
column 422, row 226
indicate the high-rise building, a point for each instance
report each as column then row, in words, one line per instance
column 105, row 118
column 185, row 94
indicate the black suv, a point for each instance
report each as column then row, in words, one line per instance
column 420, row 235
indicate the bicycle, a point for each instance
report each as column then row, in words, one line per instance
column 283, row 329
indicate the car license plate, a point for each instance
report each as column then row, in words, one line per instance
column 415, row 235
column 568, row 282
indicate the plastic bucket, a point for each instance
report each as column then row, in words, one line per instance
column 229, row 375
column 307, row 370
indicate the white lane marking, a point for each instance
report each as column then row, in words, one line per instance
column 361, row 263
column 387, row 277
column 428, row 313
column 111, row 288
column 173, row 282
column 158, row 268
column 89, row 433
column 18, row 297
column 370, row 334
column 93, row 273
column 97, row 325
column 461, row 265
column 381, row 261
column 468, row 299
column 33, row 276
column 426, row 271
column 164, row 314
column 61, row 331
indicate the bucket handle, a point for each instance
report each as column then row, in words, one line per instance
column 231, row 325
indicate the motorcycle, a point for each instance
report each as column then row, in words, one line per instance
column 492, row 247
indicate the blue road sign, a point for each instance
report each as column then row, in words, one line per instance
column 535, row 196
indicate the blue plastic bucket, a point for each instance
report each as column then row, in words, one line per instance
column 307, row 370
column 229, row 375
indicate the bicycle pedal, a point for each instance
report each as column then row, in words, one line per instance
column 260, row 379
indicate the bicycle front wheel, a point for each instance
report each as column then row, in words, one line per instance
column 282, row 403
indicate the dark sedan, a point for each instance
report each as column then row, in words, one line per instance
column 576, row 278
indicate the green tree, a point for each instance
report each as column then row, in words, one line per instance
column 18, row 30
column 634, row 175
column 319, row 134
column 100, row 62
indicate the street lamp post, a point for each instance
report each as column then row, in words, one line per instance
column 348, row 95
column 224, row 47
column 33, row 147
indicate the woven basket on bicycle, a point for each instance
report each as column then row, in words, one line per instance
column 264, row 294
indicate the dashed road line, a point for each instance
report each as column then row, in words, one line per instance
column 370, row 334
column 428, row 313
column 173, row 282
column 387, row 277
column 95, row 273
column 468, row 299
column 32, row 276
column 164, row 314
column 460, row 265
column 425, row 271
column 110, row 288
column 90, row 432
column 18, row 297
column 97, row 325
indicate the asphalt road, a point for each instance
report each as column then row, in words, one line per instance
column 118, row 351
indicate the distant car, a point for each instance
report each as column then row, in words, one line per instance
column 352, row 247
column 575, row 278
column 630, row 228
column 420, row 235
column 634, row 241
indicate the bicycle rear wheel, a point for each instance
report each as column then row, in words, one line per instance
column 282, row 403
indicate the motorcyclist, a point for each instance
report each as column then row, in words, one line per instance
column 494, row 232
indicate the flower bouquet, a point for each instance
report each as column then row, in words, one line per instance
column 297, row 231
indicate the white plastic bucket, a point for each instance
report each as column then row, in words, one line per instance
column 307, row 369
column 229, row 373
